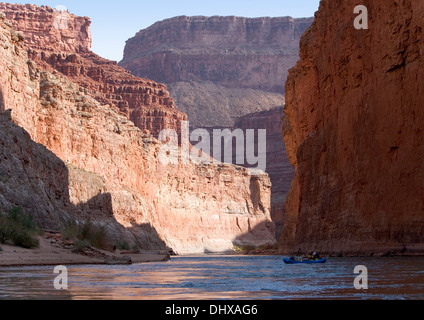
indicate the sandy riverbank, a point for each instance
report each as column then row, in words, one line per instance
column 50, row 255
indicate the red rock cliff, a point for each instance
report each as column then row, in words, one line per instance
column 226, row 72
column 99, row 165
column 354, row 131
column 46, row 28
column 61, row 41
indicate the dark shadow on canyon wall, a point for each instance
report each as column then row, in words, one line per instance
column 2, row 105
column 278, row 167
column 99, row 210
column 278, row 210
column 256, row 236
column 34, row 178
column 255, row 195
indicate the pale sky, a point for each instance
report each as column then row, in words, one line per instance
column 114, row 22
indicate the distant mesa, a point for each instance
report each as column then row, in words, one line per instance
column 218, row 68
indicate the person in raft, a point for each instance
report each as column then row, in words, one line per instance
column 316, row 256
column 313, row 256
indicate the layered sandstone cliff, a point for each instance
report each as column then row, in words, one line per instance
column 47, row 29
column 354, row 131
column 100, row 166
column 218, row 68
column 60, row 41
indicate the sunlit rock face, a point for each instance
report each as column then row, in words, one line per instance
column 68, row 155
column 60, row 41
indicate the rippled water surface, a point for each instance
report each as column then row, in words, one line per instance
column 222, row 277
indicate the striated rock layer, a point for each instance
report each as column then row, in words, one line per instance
column 60, row 41
column 106, row 169
column 223, row 50
column 354, row 131
column 46, row 28
column 218, row 68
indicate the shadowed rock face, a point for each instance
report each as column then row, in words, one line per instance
column 280, row 171
column 354, row 131
column 218, row 68
column 53, row 193
column 25, row 167
column 113, row 168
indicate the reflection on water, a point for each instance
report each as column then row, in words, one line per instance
column 222, row 277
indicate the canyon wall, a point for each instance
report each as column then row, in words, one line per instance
column 61, row 42
column 354, row 131
column 280, row 171
column 46, row 28
column 107, row 169
column 226, row 72
column 218, row 68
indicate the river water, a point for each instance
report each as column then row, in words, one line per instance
column 222, row 277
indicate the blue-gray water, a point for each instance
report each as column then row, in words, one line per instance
column 222, row 277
